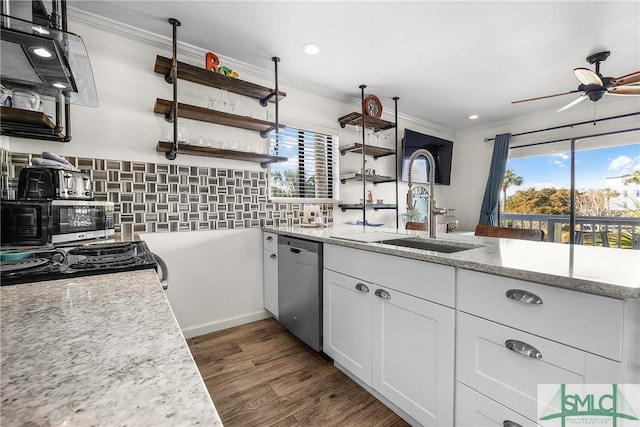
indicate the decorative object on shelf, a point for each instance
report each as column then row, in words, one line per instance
column 412, row 215
column 372, row 106
column 450, row 220
column 212, row 62
column 228, row 71
column 369, row 197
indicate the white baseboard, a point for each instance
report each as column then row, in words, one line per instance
column 218, row 325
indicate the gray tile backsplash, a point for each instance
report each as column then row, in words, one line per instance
column 152, row 197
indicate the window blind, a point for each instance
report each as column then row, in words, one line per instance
column 308, row 171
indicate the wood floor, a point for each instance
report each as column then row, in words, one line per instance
column 261, row 375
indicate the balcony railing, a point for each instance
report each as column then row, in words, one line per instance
column 607, row 231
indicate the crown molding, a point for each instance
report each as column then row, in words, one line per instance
column 196, row 53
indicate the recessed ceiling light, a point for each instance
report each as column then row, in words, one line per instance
column 42, row 52
column 473, row 117
column 311, row 49
column 59, row 85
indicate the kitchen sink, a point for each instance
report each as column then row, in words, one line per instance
column 431, row 245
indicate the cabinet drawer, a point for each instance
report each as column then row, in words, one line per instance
column 474, row 409
column 589, row 322
column 433, row 282
column 485, row 364
column 270, row 241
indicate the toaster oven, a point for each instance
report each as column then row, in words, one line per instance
column 44, row 222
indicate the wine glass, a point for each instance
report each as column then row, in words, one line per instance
column 358, row 132
column 235, row 103
column 224, row 94
column 369, row 132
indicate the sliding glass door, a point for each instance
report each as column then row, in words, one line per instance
column 583, row 191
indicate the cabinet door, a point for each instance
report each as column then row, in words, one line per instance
column 347, row 323
column 413, row 355
column 477, row 410
column 270, row 281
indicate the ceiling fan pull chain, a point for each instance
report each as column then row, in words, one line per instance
column 594, row 113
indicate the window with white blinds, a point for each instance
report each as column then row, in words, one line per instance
column 308, row 171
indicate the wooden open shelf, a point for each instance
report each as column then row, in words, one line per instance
column 187, row 111
column 368, row 149
column 369, row 122
column 17, row 121
column 373, row 206
column 375, row 179
column 196, row 150
column 208, row 78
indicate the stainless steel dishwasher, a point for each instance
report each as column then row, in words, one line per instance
column 300, row 289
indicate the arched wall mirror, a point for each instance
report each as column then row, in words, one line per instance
column 420, row 204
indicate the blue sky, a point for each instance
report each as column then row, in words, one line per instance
column 592, row 166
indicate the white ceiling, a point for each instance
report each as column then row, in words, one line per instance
column 444, row 59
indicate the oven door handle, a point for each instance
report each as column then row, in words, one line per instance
column 163, row 271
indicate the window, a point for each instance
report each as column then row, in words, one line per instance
column 308, row 172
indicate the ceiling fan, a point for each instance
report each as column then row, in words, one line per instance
column 594, row 85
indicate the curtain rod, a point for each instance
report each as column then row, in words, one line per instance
column 578, row 138
column 569, row 126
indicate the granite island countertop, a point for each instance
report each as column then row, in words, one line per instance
column 97, row 350
column 610, row 272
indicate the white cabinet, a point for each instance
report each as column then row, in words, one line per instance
column 507, row 365
column 413, row 355
column 347, row 323
column 270, row 272
column 400, row 344
column 513, row 335
column 474, row 409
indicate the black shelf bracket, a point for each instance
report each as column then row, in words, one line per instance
column 265, row 101
column 265, row 133
column 173, row 115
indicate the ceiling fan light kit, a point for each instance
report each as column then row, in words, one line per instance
column 594, row 85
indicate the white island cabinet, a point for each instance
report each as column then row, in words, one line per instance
column 270, row 272
column 382, row 325
column 513, row 335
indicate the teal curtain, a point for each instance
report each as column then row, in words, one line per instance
column 491, row 200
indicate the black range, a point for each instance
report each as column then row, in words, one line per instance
column 85, row 260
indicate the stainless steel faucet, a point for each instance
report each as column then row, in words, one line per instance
column 433, row 208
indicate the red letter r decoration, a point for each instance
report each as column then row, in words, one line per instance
column 212, row 62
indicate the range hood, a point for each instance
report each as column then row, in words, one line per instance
column 52, row 62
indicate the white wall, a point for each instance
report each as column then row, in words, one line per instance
column 227, row 287
column 215, row 277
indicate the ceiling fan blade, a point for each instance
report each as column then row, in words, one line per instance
column 624, row 90
column 574, row 102
column 544, row 97
column 587, row 77
column 627, row 80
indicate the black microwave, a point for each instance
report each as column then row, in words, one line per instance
column 44, row 222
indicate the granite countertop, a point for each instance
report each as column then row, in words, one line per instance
column 97, row 350
column 610, row 272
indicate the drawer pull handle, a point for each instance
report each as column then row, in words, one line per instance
column 383, row 294
column 362, row 287
column 509, row 423
column 269, row 238
column 523, row 296
column 523, row 348
column 273, row 256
